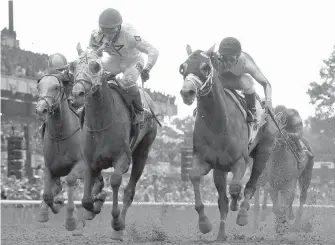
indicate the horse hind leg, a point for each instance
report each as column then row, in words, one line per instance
column 220, row 181
column 260, row 159
column 304, row 182
column 199, row 169
column 120, row 168
column 139, row 156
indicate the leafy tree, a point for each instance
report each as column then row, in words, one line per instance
column 321, row 134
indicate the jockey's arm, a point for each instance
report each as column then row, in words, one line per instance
column 145, row 47
column 95, row 40
column 256, row 73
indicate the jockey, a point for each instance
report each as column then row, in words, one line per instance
column 125, row 48
column 238, row 71
column 294, row 129
column 57, row 64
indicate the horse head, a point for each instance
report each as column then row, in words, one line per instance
column 51, row 93
column 197, row 72
column 88, row 73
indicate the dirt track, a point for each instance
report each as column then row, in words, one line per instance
column 160, row 225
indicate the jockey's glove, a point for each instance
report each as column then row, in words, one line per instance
column 145, row 75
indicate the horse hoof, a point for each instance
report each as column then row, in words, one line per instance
column 291, row 215
column 79, row 229
column 88, row 215
column 242, row 218
column 71, row 224
column 59, row 201
column 118, row 225
column 117, row 235
column 221, row 238
column 87, row 204
column 263, row 215
column 42, row 217
column 234, row 205
column 205, row 225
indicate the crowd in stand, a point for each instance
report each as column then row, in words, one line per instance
column 22, row 63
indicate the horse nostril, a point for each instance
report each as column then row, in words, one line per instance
column 45, row 111
column 81, row 94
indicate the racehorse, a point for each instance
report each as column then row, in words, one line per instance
column 61, row 149
column 221, row 140
column 108, row 132
column 284, row 173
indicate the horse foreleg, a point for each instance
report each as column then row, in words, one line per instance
column 220, row 181
column 87, row 200
column 289, row 199
column 259, row 165
column 265, row 202
column 99, row 194
column 256, row 207
column 235, row 187
column 199, row 169
column 71, row 179
column 43, row 214
column 120, row 168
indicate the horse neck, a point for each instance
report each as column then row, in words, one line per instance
column 60, row 124
column 99, row 108
column 213, row 108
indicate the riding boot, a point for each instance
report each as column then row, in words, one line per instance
column 251, row 106
column 42, row 129
column 137, row 102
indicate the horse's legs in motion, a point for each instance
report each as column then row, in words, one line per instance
column 89, row 179
column 121, row 167
column 200, row 168
column 256, row 206
column 261, row 157
column 139, row 156
column 304, row 182
column 289, row 199
column 52, row 187
column 71, row 211
column 98, row 193
column 265, row 201
column 235, row 187
column 220, row 181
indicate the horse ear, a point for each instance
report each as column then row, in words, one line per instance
column 189, row 50
column 210, row 51
column 79, row 49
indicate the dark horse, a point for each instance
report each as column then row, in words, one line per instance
column 220, row 139
column 107, row 126
column 61, row 149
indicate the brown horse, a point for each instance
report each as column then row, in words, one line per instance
column 61, row 148
column 107, row 133
column 284, row 173
column 221, row 140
